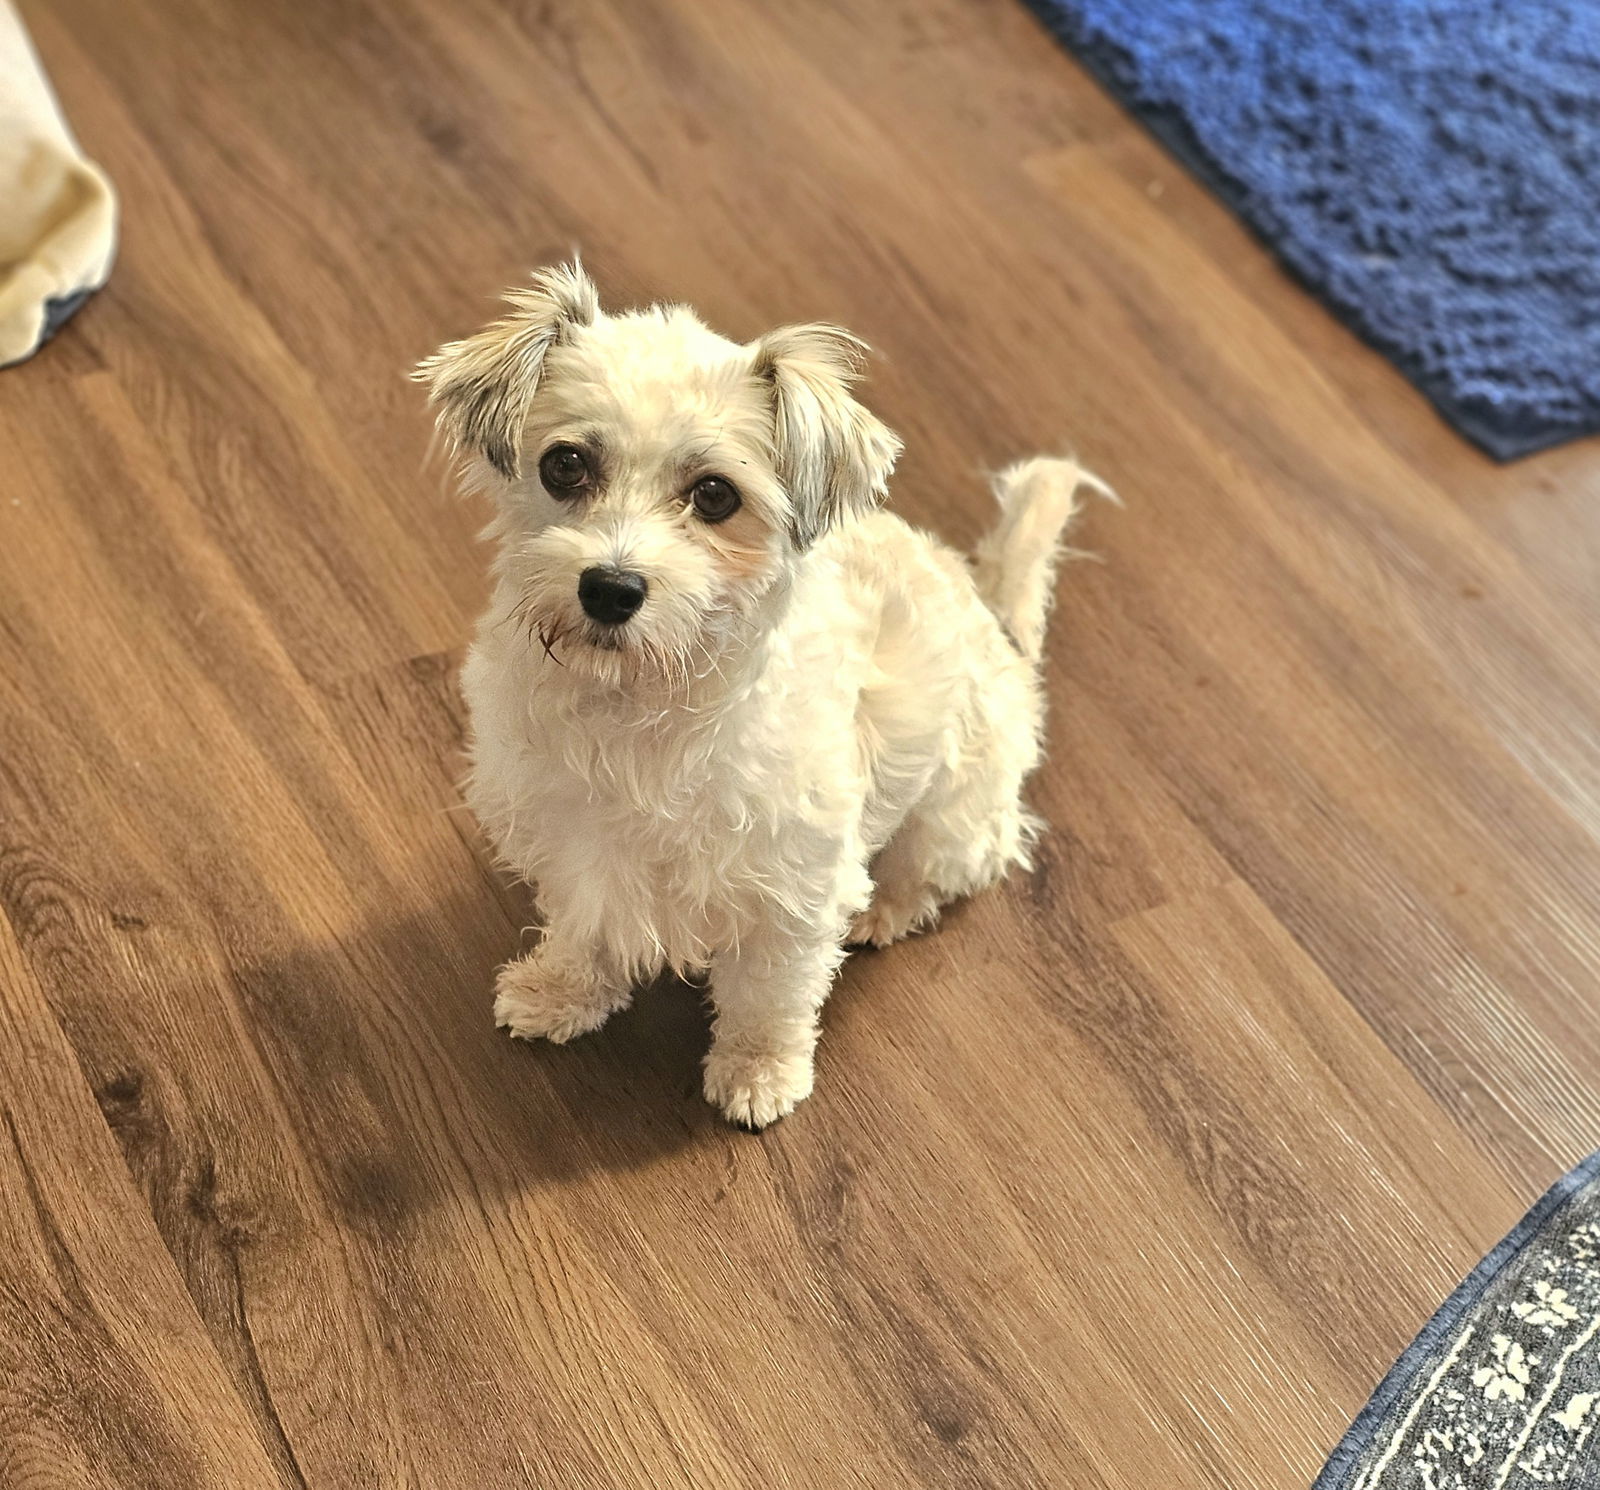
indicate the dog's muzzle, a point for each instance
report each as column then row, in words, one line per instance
column 610, row 596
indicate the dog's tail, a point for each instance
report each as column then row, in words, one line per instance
column 1016, row 562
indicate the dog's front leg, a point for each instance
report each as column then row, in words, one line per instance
column 562, row 989
column 768, row 999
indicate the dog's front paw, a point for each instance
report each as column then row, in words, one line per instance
column 535, row 1003
column 754, row 1089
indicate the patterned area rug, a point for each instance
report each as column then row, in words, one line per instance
column 1429, row 168
column 1501, row 1390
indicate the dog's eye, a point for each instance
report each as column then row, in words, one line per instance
column 564, row 469
column 714, row 499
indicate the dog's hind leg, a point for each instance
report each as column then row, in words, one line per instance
column 964, row 835
column 903, row 898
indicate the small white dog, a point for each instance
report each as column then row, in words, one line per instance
column 727, row 717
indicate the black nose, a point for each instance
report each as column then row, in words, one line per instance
column 610, row 596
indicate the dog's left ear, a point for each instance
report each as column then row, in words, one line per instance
column 482, row 386
column 833, row 456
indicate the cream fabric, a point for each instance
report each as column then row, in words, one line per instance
column 58, row 214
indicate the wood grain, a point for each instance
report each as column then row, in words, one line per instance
column 1138, row 1173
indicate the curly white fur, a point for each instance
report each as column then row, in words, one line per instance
column 815, row 729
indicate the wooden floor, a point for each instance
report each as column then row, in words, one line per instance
column 1135, row 1176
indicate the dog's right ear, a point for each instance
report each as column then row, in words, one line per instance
column 482, row 386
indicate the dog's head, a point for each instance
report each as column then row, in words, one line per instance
column 655, row 481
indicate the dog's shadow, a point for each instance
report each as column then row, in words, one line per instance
column 404, row 1094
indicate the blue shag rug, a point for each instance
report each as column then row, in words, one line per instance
column 1430, row 168
column 1501, row 1390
